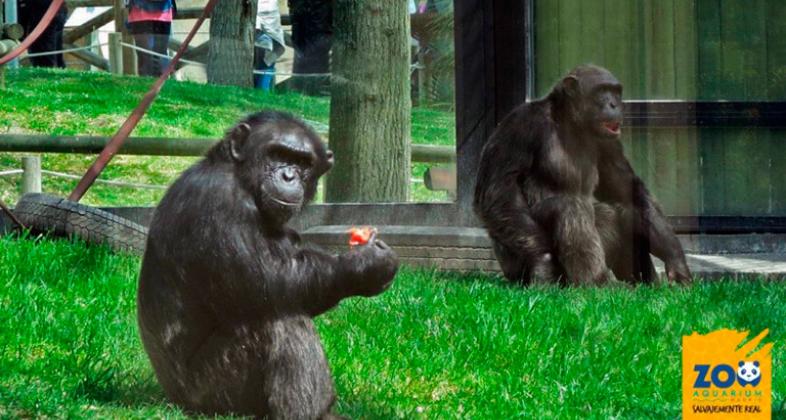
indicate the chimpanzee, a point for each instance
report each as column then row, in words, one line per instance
column 227, row 291
column 559, row 199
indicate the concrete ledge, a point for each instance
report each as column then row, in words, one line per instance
column 469, row 249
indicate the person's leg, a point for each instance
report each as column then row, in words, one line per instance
column 161, row 31
column 263, row 81
column 45, row 43
column 142, row 39
column 59, row 27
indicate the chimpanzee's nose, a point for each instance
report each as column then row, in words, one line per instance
column 288, row 174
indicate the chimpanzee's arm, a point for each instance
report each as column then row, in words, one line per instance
column 312, row 280
column 499, row 200
column 276, row 275
column 619, row 184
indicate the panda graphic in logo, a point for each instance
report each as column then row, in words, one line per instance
column 748, row 373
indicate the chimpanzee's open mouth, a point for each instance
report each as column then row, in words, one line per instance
column 612, row 127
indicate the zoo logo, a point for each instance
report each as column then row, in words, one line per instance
column 748, row 373
column 725, row 377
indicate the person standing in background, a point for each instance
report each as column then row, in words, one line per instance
column 150, row 23
column 268, row 43
column 30, row 13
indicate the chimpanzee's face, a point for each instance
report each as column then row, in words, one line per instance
column 280, row 163
column 597, row 98
column 606, row 103
column 602, row 96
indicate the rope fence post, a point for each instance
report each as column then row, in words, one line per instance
column 115, row 53
column 129, row 57
column 31, row 174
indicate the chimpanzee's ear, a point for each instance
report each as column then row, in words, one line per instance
column 237, row 141
column 570, row 85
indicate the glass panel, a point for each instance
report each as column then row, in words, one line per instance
column 682, row 51
column 291, row 50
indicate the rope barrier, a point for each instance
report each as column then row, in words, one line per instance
column 45, row 53
column 100, row 181
column 107, row 181
column 203, row 65
column 413, row 67
column 157, row 54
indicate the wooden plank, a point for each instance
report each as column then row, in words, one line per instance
column 658, row 16
column 686, row 52
column 713, row 186
column 688, row 201
column 86, row 28
column 642, row 152
column 709, row 45
column 619, row 53
column 638, row 151
column 591, row 38
column 637, row 87
column 89, row 57
column 441, row 178
column 570, row 35
column 162, row 146
column 744, row 63
column 546, row 54
column 776, row 85
column 659, row 45
column 710, row 86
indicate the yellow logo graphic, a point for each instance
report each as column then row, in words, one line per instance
column 725, row 378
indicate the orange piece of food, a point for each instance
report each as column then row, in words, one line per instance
column 360, row 235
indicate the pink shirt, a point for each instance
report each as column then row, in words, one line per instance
column 139, row 15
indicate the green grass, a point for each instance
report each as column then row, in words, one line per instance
column 65, row 102
column 434, row 346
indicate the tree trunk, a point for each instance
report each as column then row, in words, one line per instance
column 370, row 103
column 231, row 57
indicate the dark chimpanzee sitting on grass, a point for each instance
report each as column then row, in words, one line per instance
column 227, row 291
column 560, row 200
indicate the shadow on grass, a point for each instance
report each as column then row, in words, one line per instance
column 129, row 392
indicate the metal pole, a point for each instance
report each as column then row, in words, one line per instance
column 31, row 174
column 11, row 17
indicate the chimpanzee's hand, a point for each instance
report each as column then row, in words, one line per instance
column 374, row 265
column 677, row 270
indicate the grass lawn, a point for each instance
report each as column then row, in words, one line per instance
column 434, row 346
column 66, row 102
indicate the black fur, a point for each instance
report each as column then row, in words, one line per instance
column 560, row 200
column 227, row 292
